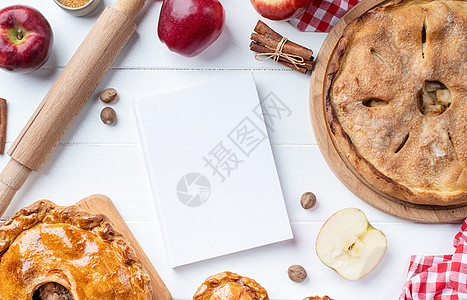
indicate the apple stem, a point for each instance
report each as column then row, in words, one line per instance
column 19, row 34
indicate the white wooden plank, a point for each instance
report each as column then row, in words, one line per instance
column 75, row 172
column 145, row 50
column 268, row 265
column 290, row 123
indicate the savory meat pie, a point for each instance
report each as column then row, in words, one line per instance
column 52, row 252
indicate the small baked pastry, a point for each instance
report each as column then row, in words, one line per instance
column 53, row 252
column 318, row 298
column 396, row 100
column 230, row 286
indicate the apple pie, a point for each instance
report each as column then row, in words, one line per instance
column 52, row 252
column 396, row 101
column 230, row 286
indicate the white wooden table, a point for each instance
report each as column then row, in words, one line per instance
column 95, row 158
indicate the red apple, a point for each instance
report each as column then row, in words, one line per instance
column 188, row 27
column 281, row 10
column 25, row 38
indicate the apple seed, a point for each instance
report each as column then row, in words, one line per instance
column 19, row 34
column 109, row 95
column 297, row 273
column 308, row 200
column 108, row 116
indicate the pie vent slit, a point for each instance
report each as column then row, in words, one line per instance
column 423, row 38
column 381, row 58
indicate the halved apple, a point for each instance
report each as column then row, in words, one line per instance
column 348, row 244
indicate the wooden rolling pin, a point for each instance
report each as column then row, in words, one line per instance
column 67, row 96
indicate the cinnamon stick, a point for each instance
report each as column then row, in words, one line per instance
column 264, row 29
column 265, row 33
column 288, row 47
column 3, row 110
column 308, row 65
column 276, row 47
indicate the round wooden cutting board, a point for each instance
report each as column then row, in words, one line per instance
column 406, row 210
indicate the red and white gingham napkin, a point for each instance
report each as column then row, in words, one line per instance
column 322, row 15
column 439, row 277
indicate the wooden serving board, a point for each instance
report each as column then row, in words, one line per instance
column 100, row 204
column 409, row 211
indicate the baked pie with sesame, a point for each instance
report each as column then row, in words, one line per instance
column 396, row 101
column 230, row 286
column 52, row 252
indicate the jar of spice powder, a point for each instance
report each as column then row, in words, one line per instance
column 78, row 7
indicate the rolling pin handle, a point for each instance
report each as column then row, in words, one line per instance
column 11, row 180
column 130, row 8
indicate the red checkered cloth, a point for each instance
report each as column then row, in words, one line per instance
column 439, row 277
column 322, row 15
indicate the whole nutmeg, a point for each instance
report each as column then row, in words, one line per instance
column 109, row 95
column 108, row 116
column 308, row 200
column 297, row 273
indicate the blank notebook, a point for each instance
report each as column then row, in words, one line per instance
column 211, row 170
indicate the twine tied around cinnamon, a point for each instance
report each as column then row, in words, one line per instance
column 296, row 60
column 271, row 45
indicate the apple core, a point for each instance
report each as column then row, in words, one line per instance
column 18, row 35
column 348, row 244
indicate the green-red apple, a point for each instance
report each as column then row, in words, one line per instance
column 25, row 38
column 348, row 244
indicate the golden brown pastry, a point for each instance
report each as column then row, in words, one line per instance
column 318, row 298
column 230, row 286
column 397, row 100
column 53, row 252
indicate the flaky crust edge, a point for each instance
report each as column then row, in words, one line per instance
column 204, row 291
column 30, row 216
column 359, row 166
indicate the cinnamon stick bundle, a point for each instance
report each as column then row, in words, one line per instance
column 271, row 45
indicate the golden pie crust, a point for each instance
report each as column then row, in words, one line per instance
column 396, row 101
column 230, row 286
column 46, row 243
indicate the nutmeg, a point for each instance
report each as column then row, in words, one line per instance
column 108, row 116
column 308, row 200
column 297, row 273
column 109, row 95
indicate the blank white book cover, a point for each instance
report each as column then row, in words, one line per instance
column 211, row 169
